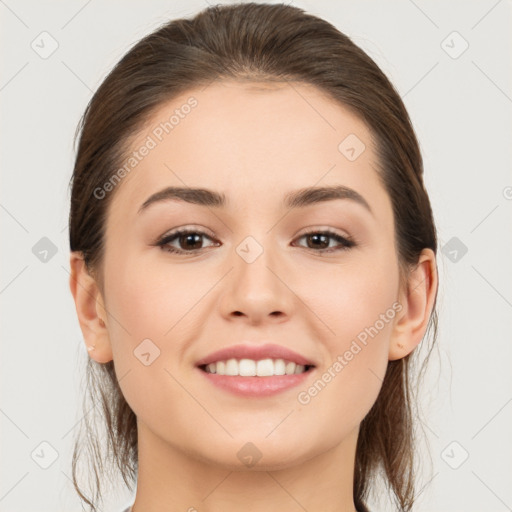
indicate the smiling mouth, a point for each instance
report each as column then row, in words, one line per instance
column 252, row 368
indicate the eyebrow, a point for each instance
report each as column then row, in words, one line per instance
column 296, row 199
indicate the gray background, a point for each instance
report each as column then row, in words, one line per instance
column 460, row 103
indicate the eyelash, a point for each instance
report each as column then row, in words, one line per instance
column 346, row 242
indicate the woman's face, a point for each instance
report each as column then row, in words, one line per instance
column 257, row 271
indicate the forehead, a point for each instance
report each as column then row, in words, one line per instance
column 248, row 139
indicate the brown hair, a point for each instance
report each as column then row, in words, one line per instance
column 259, row 42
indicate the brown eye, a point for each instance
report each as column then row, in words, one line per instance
column 320, row 241
column 187, row 241
column 190, row 241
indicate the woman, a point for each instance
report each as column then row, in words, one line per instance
column 253, row 263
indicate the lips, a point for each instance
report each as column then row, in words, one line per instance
column 255, row 352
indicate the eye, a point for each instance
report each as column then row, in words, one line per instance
column 188, row 239
column 319, row 241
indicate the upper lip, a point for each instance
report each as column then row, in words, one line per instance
column 256, row 352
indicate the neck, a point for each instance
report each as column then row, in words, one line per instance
column 169, row 479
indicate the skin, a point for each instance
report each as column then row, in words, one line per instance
column 255, row 143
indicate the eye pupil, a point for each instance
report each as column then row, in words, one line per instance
column 191, row 237
column 319, row 237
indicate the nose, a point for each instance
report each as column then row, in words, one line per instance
column 257, row 289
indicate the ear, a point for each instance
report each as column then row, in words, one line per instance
column 417, row 304
column 90, row 309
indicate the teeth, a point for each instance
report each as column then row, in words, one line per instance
column 265, row 368
column 290, row 368
column 246, row 367
column 231, row 367
column 279, row 367
column 251, row 368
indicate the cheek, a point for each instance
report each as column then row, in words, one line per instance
column 150, row 301
column 357, row 305
column 349, row 298
column 150, row 308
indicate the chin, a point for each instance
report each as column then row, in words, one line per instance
column 260, row 454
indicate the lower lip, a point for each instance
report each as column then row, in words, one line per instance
column 256, row 386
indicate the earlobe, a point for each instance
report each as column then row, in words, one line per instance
column 90, row 309
column 418, row 302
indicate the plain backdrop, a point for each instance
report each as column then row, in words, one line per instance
column 450, row 62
